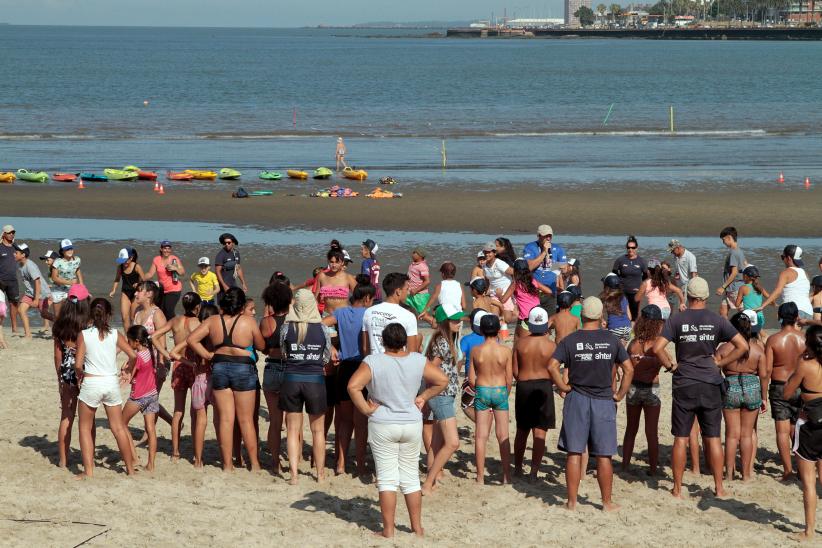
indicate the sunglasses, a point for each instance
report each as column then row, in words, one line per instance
column 630, row 247
column 10, row 232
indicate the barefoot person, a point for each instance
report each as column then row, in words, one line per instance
column 491, row 377
column 73, row 318
column 339, row 154
column 783, row 350
column 8, row 274
column 643, row 395
column 65, row 272
column 169, row 271
column 130, row 274
column 589, row 412
column 442, row 352
column 392, row 379
column 746, row 390
column 793, row 283
column 697, row 393
column 735, row 263
column 334, row 285
column 144, row 397
column 808, row 439
column 308, row 356
column 632, row 270
column 99, row 379
column 395, row 290
column 234, row 372
column 227, row 265
column 36, row 291
column 277, row 298
column 544, row 259
column 534, row 402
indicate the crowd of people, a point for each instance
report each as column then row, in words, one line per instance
column 347, row 350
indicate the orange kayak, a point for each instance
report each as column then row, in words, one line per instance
column 64, row 177
column 179, row 176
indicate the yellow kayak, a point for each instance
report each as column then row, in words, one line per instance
column 7, row 177
column 355, row 174
column 201, row 174
column 297, row 174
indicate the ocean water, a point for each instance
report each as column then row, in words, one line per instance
column 509, row 112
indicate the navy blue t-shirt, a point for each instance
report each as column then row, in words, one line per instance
column 590, row 356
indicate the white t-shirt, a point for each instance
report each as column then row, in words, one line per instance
column 377, row 317
column 496, row 275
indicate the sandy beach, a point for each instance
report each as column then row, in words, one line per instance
column 642, row 210
column 178, row 505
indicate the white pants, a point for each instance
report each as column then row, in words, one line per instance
column 396, row 452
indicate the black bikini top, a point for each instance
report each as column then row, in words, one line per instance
column 273, row 340
column 228, row 336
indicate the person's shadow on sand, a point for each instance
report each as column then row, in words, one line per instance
column 360, row 510
column 750, row 511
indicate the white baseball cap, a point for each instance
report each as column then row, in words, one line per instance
column 538, row 320
column 475, row 323
column 203, row 261
column 66, row 244
column 752, row 317
column 545, row 230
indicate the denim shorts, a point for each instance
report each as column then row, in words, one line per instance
column 273, row 375
column 441, row 407
column 240, row 377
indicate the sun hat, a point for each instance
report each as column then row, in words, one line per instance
column 304, row 308
column 751, row 271
column 673, row 244
column 228, row 236
column 8, row 228
column 203, row 261
column 447, row 311
column 476, row 318
column 545, row 230
column 697, row 288
column 592, row 308
column 50, row 255
column 124, row 255
column 65, row 245
column 538, row 320
column 651, row 312
column 611, row 280
column 795, row 253
column 79, row 292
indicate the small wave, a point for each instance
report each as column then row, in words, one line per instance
column 45, row 137
column 633, row 133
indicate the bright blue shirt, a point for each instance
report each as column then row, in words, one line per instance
column 349, row 327
column 467, row 343
column 544, row 272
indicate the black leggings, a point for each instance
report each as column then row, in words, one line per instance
column 168, row 302
column 633, row 306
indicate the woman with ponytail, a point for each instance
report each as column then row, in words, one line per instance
column 808, row 437
column 746, row 390
column 751, row 295
column 99, row 379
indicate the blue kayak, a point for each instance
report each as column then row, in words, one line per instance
column 93, row 177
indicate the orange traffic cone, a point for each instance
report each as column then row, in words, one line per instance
column 156, row 186
column 781, row 178
column 807, row 183
column 162, row 190
column 80, row 185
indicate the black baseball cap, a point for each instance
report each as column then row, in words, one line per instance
column 611, row 281
column 480, row 285
column 574, row 290
column 817, row 281
column 652, row 312
column 751, row 271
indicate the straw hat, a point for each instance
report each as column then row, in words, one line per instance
column 304, row 308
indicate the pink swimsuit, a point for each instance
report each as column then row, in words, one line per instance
column 333, row 292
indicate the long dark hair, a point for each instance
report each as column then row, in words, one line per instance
column 743, row 324
column 755, row 283
column 152, row 288
column 72, row 319
column 612, row 299
column 190, row 303
column 813, row 344
column 524, row 278
column 101, row 316
column 660, row 278
column 508, row 254
column 647, row 330
column 233, row 301
column 139, row 334
column 443, row 332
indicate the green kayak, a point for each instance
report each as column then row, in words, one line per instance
column 120, row 174
column 323, row 173
column 271, row 175
column 32, row 176
column 261, row 193
column 229, row 174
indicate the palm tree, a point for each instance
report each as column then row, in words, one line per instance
column 601, row 9
column 616, row 9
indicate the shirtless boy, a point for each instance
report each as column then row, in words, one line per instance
column 782, row 352
column 534, row 402
column 491, row 377
column 563, row 322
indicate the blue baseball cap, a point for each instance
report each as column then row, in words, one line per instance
column 165, row 243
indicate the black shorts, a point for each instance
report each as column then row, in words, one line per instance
column 295, row 395
column 782, row 409
column 808, row 442
column 11, row 289
column 345, row 371
column 700, row 400
column 534, row 405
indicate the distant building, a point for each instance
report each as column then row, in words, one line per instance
column 803, row 11
column 571, row 6
column 536, row 23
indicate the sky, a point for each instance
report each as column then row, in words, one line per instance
column 260, row 13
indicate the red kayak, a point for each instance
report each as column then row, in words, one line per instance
column 147, row 175
column 179, row 176
column 64, row 177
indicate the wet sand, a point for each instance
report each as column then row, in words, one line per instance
column 641, row 210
